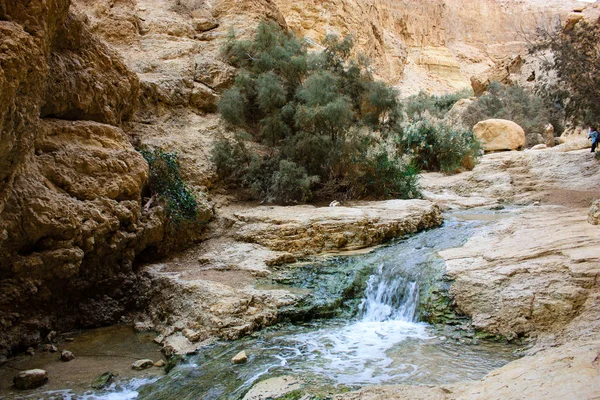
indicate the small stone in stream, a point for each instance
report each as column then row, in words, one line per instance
column 159, row 363
column 142, row 364
column 103, row 380
column 51, row 348
column 51, row 336
column 30, row 379
column 66, row 355
column 240, row 358
column 69, row 339
column 30, row 351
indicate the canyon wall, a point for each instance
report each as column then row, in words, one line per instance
column 71, row 220
column 432, row 45
column 80, row 82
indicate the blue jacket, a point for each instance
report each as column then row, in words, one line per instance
column 593, row 135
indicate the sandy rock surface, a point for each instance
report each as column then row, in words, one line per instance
column 273, row 388
column 70, row 181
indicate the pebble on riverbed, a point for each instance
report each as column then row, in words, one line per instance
column 51, row 348
column 142, row 364
column 66, row 356
column 240, row 358
column 30, row 379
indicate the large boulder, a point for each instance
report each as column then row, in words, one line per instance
column 499, row 134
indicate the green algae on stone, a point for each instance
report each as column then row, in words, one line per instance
column 103, row 380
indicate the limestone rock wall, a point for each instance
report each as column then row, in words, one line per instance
column 71, row 219
column 434, row 45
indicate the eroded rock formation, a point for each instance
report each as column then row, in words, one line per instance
column 70, row 182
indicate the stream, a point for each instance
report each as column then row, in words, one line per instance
column 384, row 341
column 383, row 344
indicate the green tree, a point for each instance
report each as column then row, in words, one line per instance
column 576, row 61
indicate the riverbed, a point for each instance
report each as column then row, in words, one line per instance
column 383, row 341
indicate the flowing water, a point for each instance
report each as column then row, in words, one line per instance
column 383, row 344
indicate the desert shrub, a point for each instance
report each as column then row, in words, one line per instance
column 165, row 182
column 311, row 151
column 231, row 106
column 302, row 107
column 575, row 60
column 291, row 184
column 380, row 175
column 423, row 105
column 439, row 148
column 513, row 103
column 231, row 157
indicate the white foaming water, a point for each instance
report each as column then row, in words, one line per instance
column 355, row 353
column 127, row 391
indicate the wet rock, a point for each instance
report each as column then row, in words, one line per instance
column 103, row 380
column 160, row 363
column 178, row 344
column 66, row 356
column 30, row 351
column 172, row 362
column 274, row 388
column 240, row 358
column 143, row 326
column 142, row 364
column 51, row 336
column 3, row 360
column 30, row 379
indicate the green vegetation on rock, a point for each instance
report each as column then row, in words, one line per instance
column 165, row 182
column 424, row 105
column 576, row 62
column 439, row 148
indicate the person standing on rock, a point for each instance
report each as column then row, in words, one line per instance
column 593, row 134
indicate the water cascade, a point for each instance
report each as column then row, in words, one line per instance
column 384, row 344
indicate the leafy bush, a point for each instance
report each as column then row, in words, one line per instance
column 439, row 148
column 576, row 62
column 165, row 181
column 381, row 176
column 291, row 184
column 303, row 106
column 231, row 158
column 423, row 105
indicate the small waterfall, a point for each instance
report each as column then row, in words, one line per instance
column 390, row 295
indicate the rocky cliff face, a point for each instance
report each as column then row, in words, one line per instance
column 71, row 215
column 431, row 45
column 70, row 182
column 174, row 48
